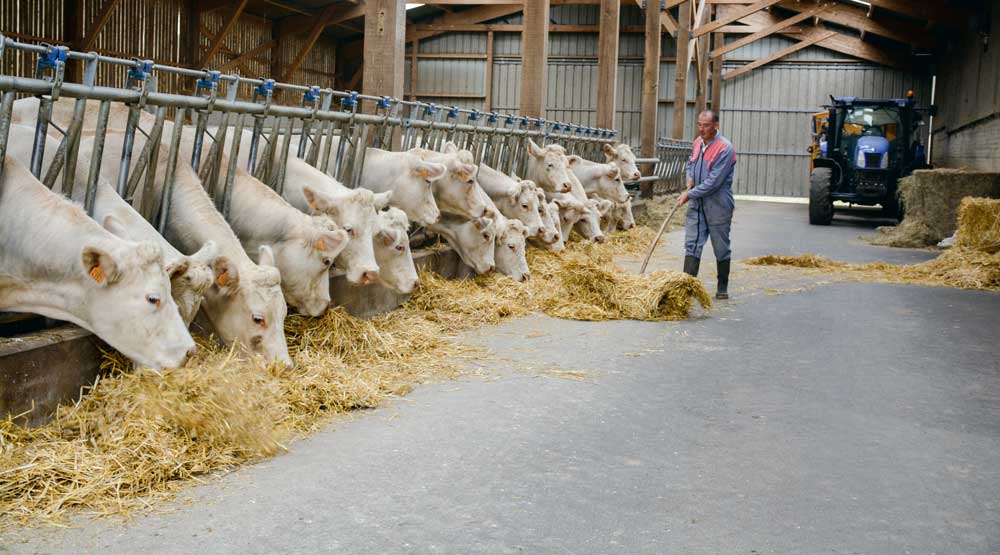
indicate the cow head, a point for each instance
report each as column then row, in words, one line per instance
column 571, row 211
column 413, row 190
column 589, row 224
column 610, row 184
column 245, row 305
column 509, row 254
column 306, row 256
column 356, row 212
column 128, row 303
column 627, row 220
column 392, row 250
column 622, row 156
column 473, row 240
column 549, row 167
column 521, row 203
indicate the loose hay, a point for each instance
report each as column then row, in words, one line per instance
column 979, row 225
column 137, row 436
column 657, row 208
column 931, row 199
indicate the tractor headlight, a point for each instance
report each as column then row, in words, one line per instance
column 860, row 159
column 885, row 161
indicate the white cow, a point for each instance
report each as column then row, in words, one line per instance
column 392, row 250
column 549, row 213
column 510, row 240
column 601, row 180
column 619, row 217
column 514, row 199
column 549, row 167
column 589, row 224
column 410, row 179
column 356, row 210
column 473, row 240
column 622, row 156
column 190, row 276
column 57, row 262
column 455, row 193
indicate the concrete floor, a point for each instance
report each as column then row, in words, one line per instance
column 843, row 418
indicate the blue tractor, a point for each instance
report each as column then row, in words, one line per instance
column 869, row 145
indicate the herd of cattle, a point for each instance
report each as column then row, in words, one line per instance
column 116, row 276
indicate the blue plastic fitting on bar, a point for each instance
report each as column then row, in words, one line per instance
column 453, row 112
column 525, row 121
column 539, row 122
column 430, row 109
column 510, row 120
column 384, row 102
column 55, row 56
column 493, row 117
column 209, row 81
column 312, row 95
column 350, row 101
column 474, row 115
column 556, row 127
column 265, row 89
column 141, row 70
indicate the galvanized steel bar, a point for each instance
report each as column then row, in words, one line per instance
column 6, row 108
column 168, row 181
column 225, row 200
column 96, row 157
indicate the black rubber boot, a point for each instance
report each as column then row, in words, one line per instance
column 691, row 265
column 722, row 292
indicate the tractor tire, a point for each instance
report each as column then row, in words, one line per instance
column 892, row 208
column 820, row 202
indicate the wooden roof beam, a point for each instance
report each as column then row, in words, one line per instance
column 343, row 11
column 779, row 54
column 247, row 56
column 216, row 44
column 99, row 22
column 734, row 15
column 857, row 18
column 768, row 31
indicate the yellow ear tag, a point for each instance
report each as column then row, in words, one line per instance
column 97, row 273
column 424, row 173
column 320, row 245
column 223, row 279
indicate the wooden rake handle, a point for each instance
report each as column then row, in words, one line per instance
column 659, row 234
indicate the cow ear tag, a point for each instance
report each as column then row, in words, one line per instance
column 223, row 279
column 424, row 173
column 97, row 273
column 320, row 245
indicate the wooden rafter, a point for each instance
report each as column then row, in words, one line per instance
column 341, row 12
column 99, row 22
column 216, row 44
column 225, row 50
column 248, row 55
column 779, row 54
column 734, row 15
column 474, row 15
column 311, row 39
column 858, row 18
column 768, row 31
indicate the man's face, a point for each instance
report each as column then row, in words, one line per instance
column 706, row 127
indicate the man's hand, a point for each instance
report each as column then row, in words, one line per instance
column 690, row 184
column 682, row 199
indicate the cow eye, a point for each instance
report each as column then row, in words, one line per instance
column 550, row 166
column 486, row 236
column 259, row 320
column 349, row 230
column 400, row 248
column 327, row 262
column 525, row 206
column 511, row 247
column 153, row 300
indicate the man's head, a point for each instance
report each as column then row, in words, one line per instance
column 708, row 125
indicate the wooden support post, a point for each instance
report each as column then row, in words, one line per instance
column 414, row 76
column 701, row 60
column 720, row 40
column 650, row 88
column 73, row 31
column 385, row 48
column 680, row 75
column 607, row 63
column 534, row 65
column 488, row 102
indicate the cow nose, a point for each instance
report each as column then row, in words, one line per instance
column 566, row 187
column 636, row 176
column 368, row 277
column 486, row 212
column 525, row 277
column 599, row 239
column 490, row 268
column 416, row 285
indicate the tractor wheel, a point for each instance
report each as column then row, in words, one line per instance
column 820, row 203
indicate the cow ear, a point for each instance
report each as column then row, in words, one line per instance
column 514, row 191
column 382, row 200
column 450, row 148
column 208, row 251
column 573, row 160
column 317, row 201
column 609, row 151
column 227, row 276
column 265, row 256
column 613, row 173
column 178, row 268
column 481, row 223
column 387, row 236
column 431, row 171
column 116, row 227
column 99, row 265
column 534, row 149
column 331, row 241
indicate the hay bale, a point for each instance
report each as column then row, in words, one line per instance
column 931, row 199
column 979, row 225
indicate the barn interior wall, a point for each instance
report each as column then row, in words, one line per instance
column 967, row 128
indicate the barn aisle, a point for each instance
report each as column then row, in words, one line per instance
column 802, row 417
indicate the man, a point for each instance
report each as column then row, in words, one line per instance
column 710, row 190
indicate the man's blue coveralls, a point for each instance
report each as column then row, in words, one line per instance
column 710, row 201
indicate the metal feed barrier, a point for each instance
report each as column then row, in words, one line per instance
column 669, row 167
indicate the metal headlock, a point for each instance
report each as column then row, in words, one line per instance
column 334, row 139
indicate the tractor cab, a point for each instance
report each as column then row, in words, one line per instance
column 869, row 145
